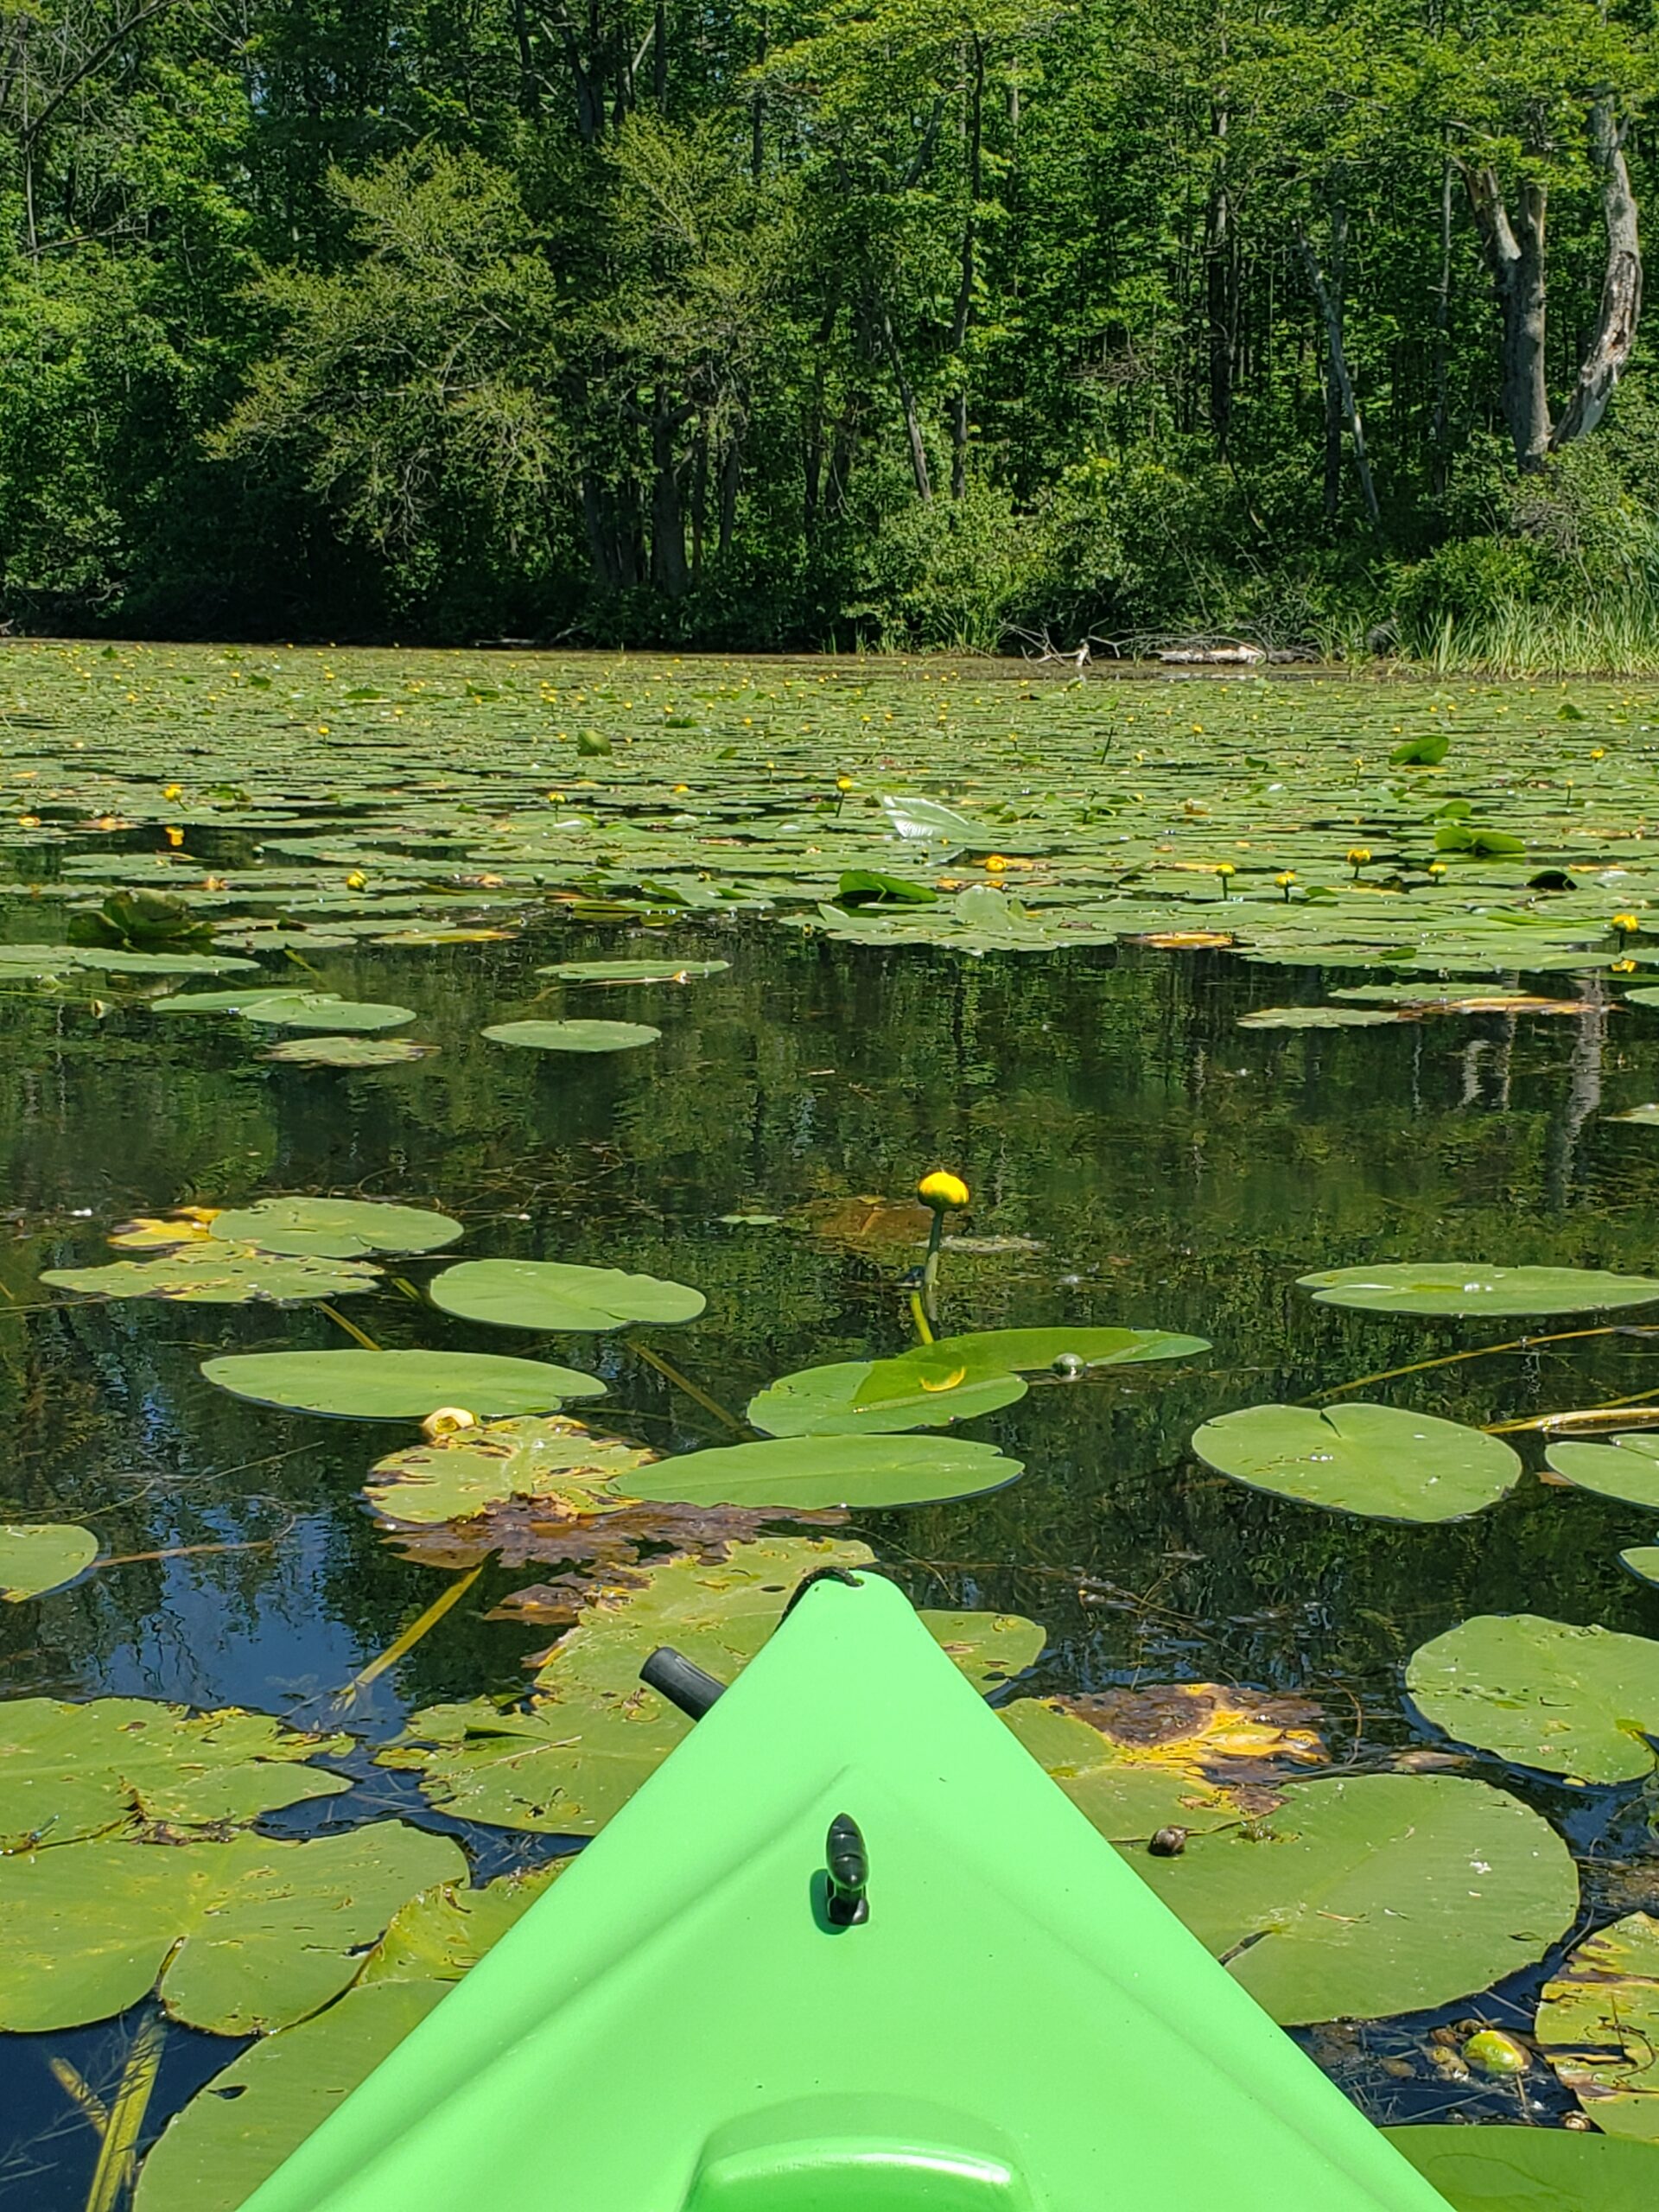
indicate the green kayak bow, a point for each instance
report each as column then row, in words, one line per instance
column 850, row 1949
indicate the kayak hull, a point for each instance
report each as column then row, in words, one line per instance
column 679, row 2025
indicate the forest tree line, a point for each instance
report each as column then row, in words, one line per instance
column 821, row 322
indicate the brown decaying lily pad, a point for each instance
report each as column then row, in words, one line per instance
column 527, row 1532
column 1208, row 1732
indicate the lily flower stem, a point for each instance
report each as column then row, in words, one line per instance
column 684, row 1383
column 117, row 2153
column 1455, row 1358
column 351, row 1328
column 919, row 1318
column 930, row 1298
column 412, row 1636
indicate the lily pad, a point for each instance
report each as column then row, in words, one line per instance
column 397, row 1385
column 554, row 1461
column 548, row 1296
column 634, row 971
column 845, row 1398
column 1598, row 2026
column 1460, row 1286
column 348, row 1052
column 1374, row 1894
column 245, row 2123
column 1579, row 1702
column 243, row 1936
column 857, row 1472
column 321, row 1010
column 1625, row 1467
column 955, row 1378
column 1530, row 2169
column 235, row 2133
column 38, row 1556
column 208, row 1272
column 1643, row 1561
column 335, row 1228
column 70, row 1771
column 572, row 1036
column 1376, row 1460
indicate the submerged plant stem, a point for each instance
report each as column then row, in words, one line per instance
column 1453, row 1359
column 112, row 2179
column 412, row 1636
column 673, row 1374
column 362, row 1336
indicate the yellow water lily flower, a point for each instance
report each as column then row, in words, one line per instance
column 447, row 1420
column 1358, row 856
column 1621, row 968
column 1626, row 924
column 175, row 837
column 942, row 1190
column 356, row 881
column 174, row 790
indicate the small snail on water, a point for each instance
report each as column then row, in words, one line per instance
column 1167, row 1843
column 1068, row 1366
column 447, row 1420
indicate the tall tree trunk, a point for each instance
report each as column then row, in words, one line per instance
column 963, row 315
column 1621, row 284
column 1440, row 426
column 907, row 401
column 1334, row 310
column 731, row 477
column 1221, row 288
column 1338, row 381
column 1514, row 247
column 530, row 92
column 668, row 571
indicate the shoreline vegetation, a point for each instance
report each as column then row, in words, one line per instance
column 876, row 327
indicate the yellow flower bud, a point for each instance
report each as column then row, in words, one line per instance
column 1285, row 878
column 1626, row 924
column 174, row 790
column 447, row 1420
column 175, row 838
column 995, row 863
column 356, row 881
column 1358, row 854
column 942, row 1190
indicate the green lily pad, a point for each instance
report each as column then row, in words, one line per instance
column 235, row 2133
column 1530, row 2169
column 1029, row 1351
column 1625, row 1467
column 954, row 1379
column 634, row 971
column 70, row 1771
column 1598, row 2026
column 348, row 1052
column 335, row 1228
column 442, row 1934
column 990, row 1648
column 548, row 1296
column 1645, row 1115
column 1456, row 1287
column 467, row 1474
column 1579, row 1702
column 1374, row 1894
column 845, row 1399
column 1643, row 1561
column 572, row 1036
column 320, row 1010
column 243, row 1935
column 397, row 1385
column 38, row 1556
column 1374, row 1460
column 212, row 1273
column 815, row 1471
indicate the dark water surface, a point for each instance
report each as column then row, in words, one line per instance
column 1168, row 1168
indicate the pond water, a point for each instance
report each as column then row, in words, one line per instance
column 1134, row 1158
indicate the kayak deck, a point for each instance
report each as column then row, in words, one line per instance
column 679, row 2025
